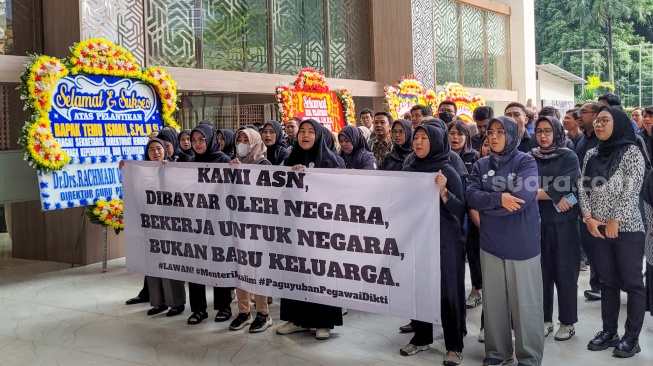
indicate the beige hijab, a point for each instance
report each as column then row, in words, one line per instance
column 257, row 149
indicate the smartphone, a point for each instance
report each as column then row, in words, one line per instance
column 570, row 197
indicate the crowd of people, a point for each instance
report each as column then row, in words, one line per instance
column 528, row 199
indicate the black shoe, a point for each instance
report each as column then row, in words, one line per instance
column 627, row 347
column 222, row 316
column 157, row 310
column 408, row 328
column 261, row 323
column 136, row 300
column 197, row 317
column 241, row 321
column 176, row 310
column 593, row 294
column 603, row 340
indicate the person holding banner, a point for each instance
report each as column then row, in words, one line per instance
column 226, row 139
column 354, row 150
column 207, row 150
column 402, row 139
column 185, row 145
column 310, row 150
column 272, row 135
column 164, row 292
column 251, row 150
column 171, row 139
column 431, row 147
column 503, row 189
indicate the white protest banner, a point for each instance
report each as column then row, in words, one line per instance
column 364, row 240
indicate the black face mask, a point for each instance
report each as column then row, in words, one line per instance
column 445, row 117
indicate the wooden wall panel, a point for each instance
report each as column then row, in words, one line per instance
column 61, row 25
column 392, row 42
column 28, row 231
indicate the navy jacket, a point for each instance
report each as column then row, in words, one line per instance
column 505, row 234
column 527, row 143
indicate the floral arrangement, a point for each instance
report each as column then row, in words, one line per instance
column 465, row 102
column 314, row 81
column 405, row 93
column 107, row 213
column 95, row 56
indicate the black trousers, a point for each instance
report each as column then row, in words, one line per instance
column 473, row 252
column 197, row 297
column 452, row 265
column 587, row 241
column 145, row 291
column 560, row 266
column 649, row 289
column 619, row 263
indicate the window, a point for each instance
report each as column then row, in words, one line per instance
column 269, row 36
column 471, row 46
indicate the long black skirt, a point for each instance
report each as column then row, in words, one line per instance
column 310, row 315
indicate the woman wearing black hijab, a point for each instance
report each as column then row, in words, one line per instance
column 503, row 189
column 207, row 150
column 402, row 146
column 185, row 145
column 227, row 142
column 647, row 197
column 431, row 147
column 310, row 150
column 609, row 199
column 354, row 150
column 272, row 135
column 171, row 139
column 558, row 171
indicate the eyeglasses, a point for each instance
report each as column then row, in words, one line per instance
column 603, row 122
column 393, row 132
column 545, row 132
column 497, row 133
column 200, row 140
column 582, row 111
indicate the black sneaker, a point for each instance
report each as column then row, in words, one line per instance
column 603, row 340
column 261, row 323
column 593, row 294
column 241, row 321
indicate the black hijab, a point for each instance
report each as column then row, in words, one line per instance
column 160, row 142
column 512, row 137
column 188, row 152
column 229, row 142
column 400, row 153
column 438, row 156
column 330, row 142
column 278, row 152
column 319, row 155
column 212, row 153
column 610, row 152
column 436, row 122
column 172, row 137
column 360, row 150
column 558, row 141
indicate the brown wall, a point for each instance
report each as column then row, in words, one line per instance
column 61, row 25
column 392, row 42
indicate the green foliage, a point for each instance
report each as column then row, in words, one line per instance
column 562, row 25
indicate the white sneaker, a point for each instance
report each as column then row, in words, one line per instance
column 411, row 349
column 481, row 336
column 473, row 301
column 322, row 334
column 564, row 333
column 548, row 329
column 290, row 328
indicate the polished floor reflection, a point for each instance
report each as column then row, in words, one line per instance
column 52, row 314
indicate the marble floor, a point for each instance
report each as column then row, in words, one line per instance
column 57, row 314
